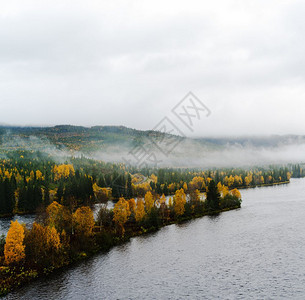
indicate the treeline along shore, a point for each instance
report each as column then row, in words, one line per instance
column 62, row 195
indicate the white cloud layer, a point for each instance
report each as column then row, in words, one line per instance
column 129, row 62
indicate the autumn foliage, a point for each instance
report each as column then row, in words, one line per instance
column 121, row 213
column 84, row 221
column 63, row 171
column 149, row 201
column 42, row 245
column 59, row 217
column 140, row 211
column 236, row 193
column 66, row 228
column 180, row 200
column 14, row 249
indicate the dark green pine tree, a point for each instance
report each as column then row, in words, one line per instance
column 115, row 184
column 129, row 193
column 158, row 188
column 161, row 176
column 217, row 178
column 30, row 198
column 165, row 189
column 37, row 195
column 152, row 185
column 108, row 180
column 7, row 198
column 213, row 196
column 22, row 201
column 115, row 191
column 9, row 195
column 102, row 182
column 46, row 195
column 2, row 198
column 121, row 186
column 60, row 191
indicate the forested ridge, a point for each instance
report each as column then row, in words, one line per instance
column 30, row 180
column 96, row 138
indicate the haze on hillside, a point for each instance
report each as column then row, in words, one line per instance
column 153, row 148
column 130, row 62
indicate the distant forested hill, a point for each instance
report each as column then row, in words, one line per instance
column 111, row 143
column 97, row 137
column 79, row 138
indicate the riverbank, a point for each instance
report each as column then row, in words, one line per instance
column 102, row 241
column 228, row 256
column 15, row 277
column 172, row 195
column 263, row 185
column 17, row 214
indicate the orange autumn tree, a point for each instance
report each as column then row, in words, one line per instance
column 52, row 238
column 180, row 200
column 39, row 175
column 162, row 203
column 140, row 211
column 195, row 195
column 197, row 183
column 170, row 202
column 42, row 244
column 54, row 212
column 162, row 200
column 14, row 249
column 121, row 213
column 248, row 180
column 83, row 220
column 132, row 205
column 34, row 241
column 223, row 190
column 63, row 171
column 59, row 217
column 236, row 193
column 149, row 202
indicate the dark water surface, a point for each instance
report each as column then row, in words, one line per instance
column 6, row 222
column 256, row 252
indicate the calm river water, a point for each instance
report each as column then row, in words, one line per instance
column 256, row 252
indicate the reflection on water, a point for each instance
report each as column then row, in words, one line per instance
column 257, row 252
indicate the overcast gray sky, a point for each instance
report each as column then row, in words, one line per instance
column 130, row 62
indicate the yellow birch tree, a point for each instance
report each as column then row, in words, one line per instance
column 140, row 211
column 121, row 213
column 14, row 249
column 149, row 201
column 180, row 200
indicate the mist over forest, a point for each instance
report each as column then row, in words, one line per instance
column 118, row 144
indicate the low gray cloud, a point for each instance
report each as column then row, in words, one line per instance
column 188, row 153
column 129, row 62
